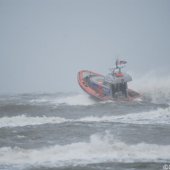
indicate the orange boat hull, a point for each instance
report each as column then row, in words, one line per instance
column 99, row 90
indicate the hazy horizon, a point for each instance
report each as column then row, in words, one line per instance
column 44, row 43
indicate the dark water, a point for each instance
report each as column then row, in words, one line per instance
column 73, row 132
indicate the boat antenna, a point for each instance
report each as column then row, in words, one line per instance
column 120, row 64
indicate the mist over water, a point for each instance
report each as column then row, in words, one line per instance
column 42, row 50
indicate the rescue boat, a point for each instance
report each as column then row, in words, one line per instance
column 113, row 86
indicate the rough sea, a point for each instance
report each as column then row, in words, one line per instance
column 71, row 131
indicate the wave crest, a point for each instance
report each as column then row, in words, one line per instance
column 159, row 116
column 99, row 149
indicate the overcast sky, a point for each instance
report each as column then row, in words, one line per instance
column 44, row 43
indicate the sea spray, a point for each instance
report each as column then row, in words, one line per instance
column 153, row 86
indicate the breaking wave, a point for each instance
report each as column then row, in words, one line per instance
column 24, row 120
column 153, row 86
column 73, row 100
column 99, row 149
column 159, row 116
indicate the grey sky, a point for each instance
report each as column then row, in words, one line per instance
column 44, row 43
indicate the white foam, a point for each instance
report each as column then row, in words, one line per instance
column 99, row 149
column 40, row 100
column 80, row 99
column 23, row 120
column 159, row 116
column 73, row 100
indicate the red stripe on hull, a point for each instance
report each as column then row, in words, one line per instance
column 88, row 89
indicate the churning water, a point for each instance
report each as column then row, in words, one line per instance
column 72, row 131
